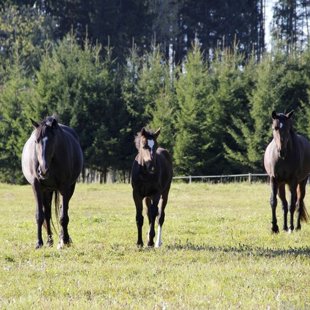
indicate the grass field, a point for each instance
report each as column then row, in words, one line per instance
column 217, row 253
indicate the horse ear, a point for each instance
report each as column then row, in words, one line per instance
column 157, row 132
column 274, row 115
column 143, row 131
column 34, row 123
column 289, row 115
column 54, row 123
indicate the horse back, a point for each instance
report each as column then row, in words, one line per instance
column 29, row 162
column 165, row 162
column 304, row 154
column 70, row 130
column 270, row 158
column 69, row 153
column 297, row 164
column 166, row 159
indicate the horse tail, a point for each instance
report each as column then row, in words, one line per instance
column 304, row 216
column 57, row 208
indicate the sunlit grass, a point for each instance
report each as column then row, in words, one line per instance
column 217, row 253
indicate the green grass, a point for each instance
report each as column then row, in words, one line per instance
column 217, row 253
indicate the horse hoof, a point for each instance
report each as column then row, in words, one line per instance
column 39, row 245
column 275, row 230
column 50, row 242
column 158, row 244
column 63, row 244
column 60, row 245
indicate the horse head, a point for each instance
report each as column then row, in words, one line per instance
column 282, row 126
column 146, row 143
column 45, row 141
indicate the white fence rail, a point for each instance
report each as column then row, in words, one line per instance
column 249, row 177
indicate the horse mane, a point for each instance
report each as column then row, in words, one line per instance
column 137, row 140
column 47, row 123
column 146, row 133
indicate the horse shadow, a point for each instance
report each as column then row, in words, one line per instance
column 242, row 249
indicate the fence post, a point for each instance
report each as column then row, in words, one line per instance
column 190, row 179
column 250, row 178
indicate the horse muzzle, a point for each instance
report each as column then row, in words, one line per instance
column 282, row 154
column 43, row 173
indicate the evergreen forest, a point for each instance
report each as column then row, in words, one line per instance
column 201, row 70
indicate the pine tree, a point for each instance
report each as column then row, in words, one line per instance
column 130, row 92
column 164, row 117
column 27, row 31
column 290, row 28
column 191, row 146
column 231, row 105
column 306, row 104
column 83, row 90
column 15, row 126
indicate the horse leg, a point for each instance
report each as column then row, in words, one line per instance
column 64, row 218
column 152, row 211
column 273, row 204
column 64, row 221
column 47, row 203
column 139, row 216
column 301, row 209
column 39, row 212
column 293, row 190
column 161, row 217
column 284, row 205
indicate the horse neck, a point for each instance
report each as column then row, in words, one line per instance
column 291, row 141
column 140, row 158
column 60, row 145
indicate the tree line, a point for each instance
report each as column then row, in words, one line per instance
column 170, row 23
column 214, row 112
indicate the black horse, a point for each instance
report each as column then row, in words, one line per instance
column 52, row 160
column 150, row 179
column 287, row 161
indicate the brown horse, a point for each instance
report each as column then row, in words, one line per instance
column 150, row 179
column 52, row 160
column 287, row 161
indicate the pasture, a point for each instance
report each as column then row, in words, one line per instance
column 218, row 252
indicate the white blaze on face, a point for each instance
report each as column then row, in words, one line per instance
column 44, row 140
column 42, row 154
column 281, row 125
column 151, row 144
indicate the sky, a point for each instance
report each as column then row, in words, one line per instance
column 269, row 5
